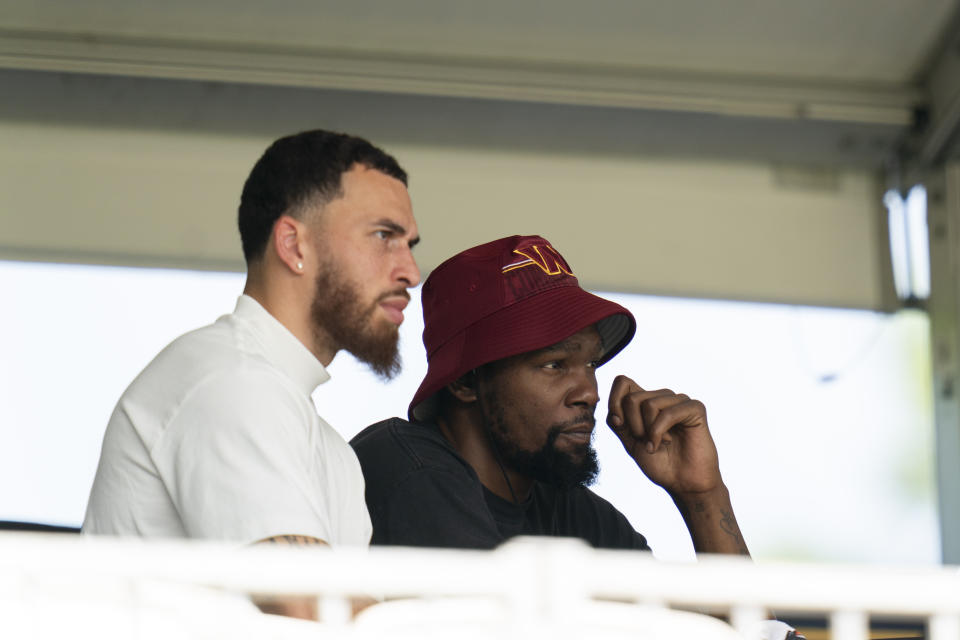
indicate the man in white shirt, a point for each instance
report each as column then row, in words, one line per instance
column 218, row 437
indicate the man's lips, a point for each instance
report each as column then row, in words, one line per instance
column 394, row 306
column 579, row 433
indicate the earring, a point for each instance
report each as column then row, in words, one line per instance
column 299, row 266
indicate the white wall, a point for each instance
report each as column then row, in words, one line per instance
column 742, row 229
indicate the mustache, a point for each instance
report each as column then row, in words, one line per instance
column 554, row 432
column 396, row 293
column 586, row 418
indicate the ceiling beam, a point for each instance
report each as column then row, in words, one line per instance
column 434, row 75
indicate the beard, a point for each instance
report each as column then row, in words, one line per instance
column 339, row 316
column 548, row 464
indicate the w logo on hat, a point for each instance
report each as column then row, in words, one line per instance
column 544, row 256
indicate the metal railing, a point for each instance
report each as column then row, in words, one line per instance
column 55, row 584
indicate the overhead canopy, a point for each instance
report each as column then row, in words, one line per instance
column 729, row 150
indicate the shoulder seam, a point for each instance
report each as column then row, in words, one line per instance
column 393, row 430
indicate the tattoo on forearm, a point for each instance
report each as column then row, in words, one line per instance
column 698, row 511
column 292, row 539
column 729, row 525
column 687, row 510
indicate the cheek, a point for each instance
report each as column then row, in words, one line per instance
column 530, row 420
column 375, row 273
column 361, row 277
column 360, row 259
column 527, row 409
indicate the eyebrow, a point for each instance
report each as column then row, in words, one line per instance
column 398, row 229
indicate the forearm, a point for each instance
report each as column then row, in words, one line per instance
column 303, row 607
column 711, row 522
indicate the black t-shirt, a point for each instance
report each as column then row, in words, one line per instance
column 420, row 492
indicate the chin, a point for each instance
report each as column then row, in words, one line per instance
column 576, row 453
column 381, row 329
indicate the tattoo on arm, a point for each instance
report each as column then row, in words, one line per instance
column 291, row 539
column 304, row 607
column 706, row 518
column 687, row 510
column 729, row 525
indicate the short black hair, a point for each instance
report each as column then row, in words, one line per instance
column 297, row 169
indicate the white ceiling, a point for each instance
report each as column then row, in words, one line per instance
column 876, row 41
column 823, row 60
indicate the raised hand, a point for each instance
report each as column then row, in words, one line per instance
column 666, row 434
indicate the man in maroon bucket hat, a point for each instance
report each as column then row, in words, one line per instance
column 498, row 441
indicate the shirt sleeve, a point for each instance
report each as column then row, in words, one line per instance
column 239, row 460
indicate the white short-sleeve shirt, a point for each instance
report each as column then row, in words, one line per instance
column 218, row 438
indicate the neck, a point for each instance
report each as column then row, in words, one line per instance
column 471, row 438
column 282, row 298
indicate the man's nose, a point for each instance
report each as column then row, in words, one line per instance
column 585, row 391
column 407, row 270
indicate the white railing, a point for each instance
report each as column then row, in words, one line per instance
column 71, row 586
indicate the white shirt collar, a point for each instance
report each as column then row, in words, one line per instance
column 281, row 347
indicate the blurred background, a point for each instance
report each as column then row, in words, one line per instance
column 773, row 188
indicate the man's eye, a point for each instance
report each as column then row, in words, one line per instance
column 552, row 365
column 383, row 234
column 593, row 364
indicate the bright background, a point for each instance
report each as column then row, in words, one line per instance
column 823, row 417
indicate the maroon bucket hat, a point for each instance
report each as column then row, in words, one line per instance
column 504, row 298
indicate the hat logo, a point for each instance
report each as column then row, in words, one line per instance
column 551, row 264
